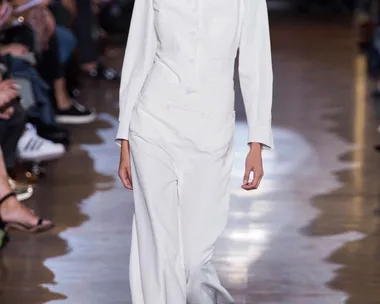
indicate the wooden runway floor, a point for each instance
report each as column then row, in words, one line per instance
column 308, row 236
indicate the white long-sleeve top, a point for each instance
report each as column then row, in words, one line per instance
column 198, row 41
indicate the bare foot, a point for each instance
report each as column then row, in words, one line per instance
column 12, row 211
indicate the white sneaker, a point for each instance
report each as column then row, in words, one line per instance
column 32, row 147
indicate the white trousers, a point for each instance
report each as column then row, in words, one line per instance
column 181, row 164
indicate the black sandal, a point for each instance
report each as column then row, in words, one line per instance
column 39, row 227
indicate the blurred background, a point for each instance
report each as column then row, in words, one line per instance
column 309, row 235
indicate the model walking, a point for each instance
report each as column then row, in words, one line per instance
column 176, row 130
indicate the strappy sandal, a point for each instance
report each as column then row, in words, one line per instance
column 38, row 228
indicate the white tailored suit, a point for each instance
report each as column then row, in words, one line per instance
column 177, row 111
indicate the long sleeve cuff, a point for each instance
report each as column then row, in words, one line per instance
column 261, row 134
column 122, row 132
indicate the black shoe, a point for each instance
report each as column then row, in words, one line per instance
column 76, row 114
column 53, row 132
column 102, row 72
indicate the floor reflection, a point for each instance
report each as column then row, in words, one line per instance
column 307, row 236
column 263, row 254
column 99, row 259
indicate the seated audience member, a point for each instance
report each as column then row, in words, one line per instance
column 50, row 62
column 85, row 29
column 20, row 63
column 19, row 141
column 12, row 124
column 12, row 213
column 64, row 13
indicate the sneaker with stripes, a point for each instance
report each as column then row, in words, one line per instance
column 32, row 147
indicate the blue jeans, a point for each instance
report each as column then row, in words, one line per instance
column 43, row 108
column 66, row 43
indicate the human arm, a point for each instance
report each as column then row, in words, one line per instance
column 255, row 72
column 256, row 80
column 138, row 60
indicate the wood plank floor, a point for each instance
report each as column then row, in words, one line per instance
column 308, row 236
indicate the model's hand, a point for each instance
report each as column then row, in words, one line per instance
column 125, row 165
column 253, row 163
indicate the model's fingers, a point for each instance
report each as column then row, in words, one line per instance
column 129, row 184
column 129, row 176
column 129, row 173
column 254, row 184
column 247, row 173
column 246, row 177
column 258, row 177
column 123, row 174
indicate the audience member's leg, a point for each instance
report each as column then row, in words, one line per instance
column 49, row 65
column 10, row 133
column 12, row 130
column 12, row 212
column 84, row 28
column 52, row 71
column 66, row 43
column 36, row 93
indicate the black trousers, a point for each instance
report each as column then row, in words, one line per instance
column 10, row 133
column 84, row 27
column 49, row 65
column 50, row 68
